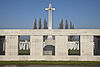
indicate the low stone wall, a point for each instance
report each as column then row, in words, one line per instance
column 61, row 44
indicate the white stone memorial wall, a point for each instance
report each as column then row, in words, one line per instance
column 11, row 46
column 86, row 45
column 36, row 49
column 61, row 46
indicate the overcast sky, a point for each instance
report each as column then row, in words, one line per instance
column 20, row 14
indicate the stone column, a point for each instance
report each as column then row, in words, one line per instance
column 36, row 49
column 61, row 46
column 86, row 45
column 11, row 46
column 24, row 46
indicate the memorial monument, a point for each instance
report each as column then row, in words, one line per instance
column 49, row 42
column 53, row 49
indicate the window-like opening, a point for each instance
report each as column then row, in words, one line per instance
column 73, row 45
column 96, row 45
column 48, row 45
column 53, row 37
column 45, row 37
column 2, row 45
column 49, row 50
column 24, row 45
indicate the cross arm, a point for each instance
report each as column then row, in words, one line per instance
column 50, row 9
column 53, row 9
column 46, row 8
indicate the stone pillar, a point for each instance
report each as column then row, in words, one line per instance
column 11, row 46
column 61, row 46
column 36, row 49
column 86, row 45
column 23, row 46
column 20, row 46
column 27, row 46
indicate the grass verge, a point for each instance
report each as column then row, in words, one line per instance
column 52, row 62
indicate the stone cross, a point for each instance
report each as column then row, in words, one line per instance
column 50, row 9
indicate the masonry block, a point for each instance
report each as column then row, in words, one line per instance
column 86, row 45
column 61, row 46
column 11, row 45
column 36, row 49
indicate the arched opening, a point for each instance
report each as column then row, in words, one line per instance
column 74, row 45
column 49, row 50
column 24, row 45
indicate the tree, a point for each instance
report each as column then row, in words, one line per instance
column 40, row 25
column 35, row 24
column 45, row 27
column 66, row 25
column 61, row 24
column 71, row 25
column 45, row 24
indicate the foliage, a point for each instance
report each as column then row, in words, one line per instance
column 45, row 24
column 35, row 24
column 71, row 25
column 61, row 24
column 73, row 52
column 23, row 52
column 40, row 25
column 66, row 25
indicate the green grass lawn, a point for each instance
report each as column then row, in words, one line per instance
column 53, row 62
column 27, row 52
column 23, row 52
column 73, row 52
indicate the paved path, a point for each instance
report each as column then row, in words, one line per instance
column 43, row 66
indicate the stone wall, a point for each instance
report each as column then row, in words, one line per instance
column 61, row 44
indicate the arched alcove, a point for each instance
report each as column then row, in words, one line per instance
column 49, row 50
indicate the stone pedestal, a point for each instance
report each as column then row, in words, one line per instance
column 11, row 46
column 61, row 43
column 86, row 45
